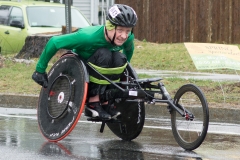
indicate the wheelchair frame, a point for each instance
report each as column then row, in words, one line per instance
column 140, row 91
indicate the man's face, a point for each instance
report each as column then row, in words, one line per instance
column 121, row 35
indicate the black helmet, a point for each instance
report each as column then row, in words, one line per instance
column 122, row 15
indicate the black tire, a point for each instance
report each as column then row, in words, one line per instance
column 188, row 133
column 61, row 104
column 132, row 120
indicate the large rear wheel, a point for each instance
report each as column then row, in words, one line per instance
column 61, row 104
column 132, row 120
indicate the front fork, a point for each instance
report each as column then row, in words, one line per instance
column 180, row 109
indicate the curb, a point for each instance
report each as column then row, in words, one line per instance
column 18, row 101
column 222, row 115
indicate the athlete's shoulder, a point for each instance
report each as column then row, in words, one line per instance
column 91, row 34
column 91, row 29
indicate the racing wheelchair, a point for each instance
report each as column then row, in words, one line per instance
column 61, row 105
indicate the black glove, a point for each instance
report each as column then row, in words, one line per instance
column 40, row 78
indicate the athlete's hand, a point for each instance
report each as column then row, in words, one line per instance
column 40, row 78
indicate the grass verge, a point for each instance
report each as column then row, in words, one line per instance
column 16, row 77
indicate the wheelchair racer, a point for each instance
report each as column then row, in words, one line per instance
column 100, row 47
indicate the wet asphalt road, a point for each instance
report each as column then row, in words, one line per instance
column 21, row 139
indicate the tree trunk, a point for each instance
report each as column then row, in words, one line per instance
column 34, row 44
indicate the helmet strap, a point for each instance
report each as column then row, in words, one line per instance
column 112, row 41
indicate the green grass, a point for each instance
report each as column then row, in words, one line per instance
column 223, row 92
column 218, row 94
column 16, row 77
column 162, row 57
column 172, row 56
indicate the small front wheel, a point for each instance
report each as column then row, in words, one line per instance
column 190, row 130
